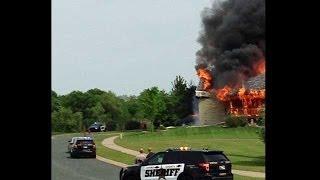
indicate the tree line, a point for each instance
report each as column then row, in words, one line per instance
column 76, row 111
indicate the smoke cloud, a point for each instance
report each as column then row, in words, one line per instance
column 233, row 40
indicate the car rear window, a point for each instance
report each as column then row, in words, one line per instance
column 215, row 156
column 84, row 141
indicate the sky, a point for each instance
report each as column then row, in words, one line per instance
column 124, row 46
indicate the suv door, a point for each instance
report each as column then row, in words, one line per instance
column 172, row 165
column 150, row 169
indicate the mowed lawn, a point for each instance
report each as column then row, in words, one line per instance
column 242, row 145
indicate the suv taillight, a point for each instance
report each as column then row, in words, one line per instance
column 204, row 166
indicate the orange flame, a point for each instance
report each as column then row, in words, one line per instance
column 222, row 94
column 250, row 102
column 260, row 67
column 206, row 77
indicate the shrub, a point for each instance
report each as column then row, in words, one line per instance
column 232, row 121
column 263, row 134
column 261, row 122
column 111, row 126
column 143, row 125
column 132, row 125
column 156, row 123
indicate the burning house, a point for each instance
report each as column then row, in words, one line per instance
column 231, row 62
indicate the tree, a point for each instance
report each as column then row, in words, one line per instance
column 180, row 103
column 114, row 108
column 78, row 101
column 65, row 120
column 95, row 91
column 133, row 108
column 55, row 102
column 152, row 103
column 96, row 113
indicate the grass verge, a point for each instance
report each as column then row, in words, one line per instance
column 237, row 177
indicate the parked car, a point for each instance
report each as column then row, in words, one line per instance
column 97, row 127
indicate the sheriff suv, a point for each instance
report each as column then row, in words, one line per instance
column 181, row 164
column 83, row 146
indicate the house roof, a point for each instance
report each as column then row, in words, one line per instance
column 257, row 82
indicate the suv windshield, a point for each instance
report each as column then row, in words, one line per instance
column 215, row 156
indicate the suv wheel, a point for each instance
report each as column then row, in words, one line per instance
column 72, row 155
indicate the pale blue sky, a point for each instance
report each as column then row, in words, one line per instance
column 123, row 45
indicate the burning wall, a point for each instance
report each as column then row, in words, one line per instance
column 248, row 100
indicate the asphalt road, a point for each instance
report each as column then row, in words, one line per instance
column 65, row 168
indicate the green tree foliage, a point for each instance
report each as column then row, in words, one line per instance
column 65, row 120
column 179, row 102
column 78, row 101
column 153, row 105
column 134, row 108
column 55, row 102
column 114, row 108
column 131, row 125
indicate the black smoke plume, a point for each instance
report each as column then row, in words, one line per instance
column 233, row 40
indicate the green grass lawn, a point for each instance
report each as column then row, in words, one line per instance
column 242, row 145
column 237, row 177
